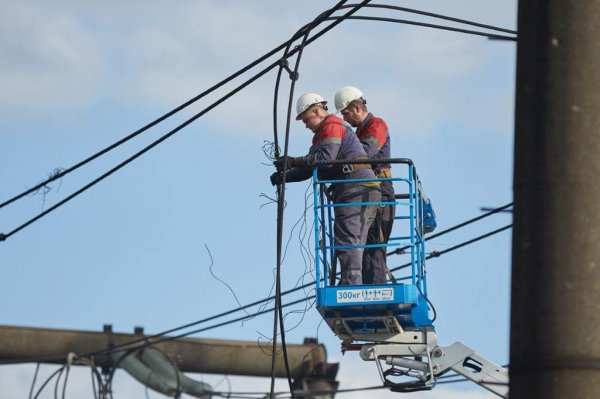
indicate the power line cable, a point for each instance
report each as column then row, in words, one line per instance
column 59, row 370
column 456, row 227
column 281, row 188
column 278, row 291
column 445, row 379
column 63, row 172
column 3, row 236
column 473, row 220
column 438, row 16
column 156, row 338
column 278, row 311
column 37, row 369
column 307, row 298
column 436, row 254
column 433, row 26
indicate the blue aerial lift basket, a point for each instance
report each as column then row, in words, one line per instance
column 376, row 312
column 389, row 324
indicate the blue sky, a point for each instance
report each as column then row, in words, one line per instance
column 78, row 76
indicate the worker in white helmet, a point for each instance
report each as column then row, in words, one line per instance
column 333, row 140
column 374, row 135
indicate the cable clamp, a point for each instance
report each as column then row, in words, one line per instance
column 2, row 236
column 434, row 254
column 283, row 63
column 71, row 358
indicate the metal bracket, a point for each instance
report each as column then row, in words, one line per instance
column 341, row 328
column 283, row 63
column 392, row 325
column 425, row 361
column 472, row 366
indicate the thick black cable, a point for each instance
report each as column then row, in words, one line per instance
column 37, row 369
column 3, row 236
column 58, row 380
column 47, row 381
column 64, row 172
column 280, row 208
column 433, row 26
column 280, row 205
column 436, row 254
column 438, row 16
column 456, row 227
column 467, row 222
column 445, row 379
column 273, row 309
column 278, row 314
column 155, row 122
column 199, row 330
column 311, row 297
column 148, row 341
column 156, row 338
column 137, row 154
column 64, row 391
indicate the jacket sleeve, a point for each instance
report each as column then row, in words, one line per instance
column 374, row 137
column 296, row 174
column 326, row 147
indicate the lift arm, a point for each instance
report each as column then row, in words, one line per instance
column 426, row 363
column 466, row 362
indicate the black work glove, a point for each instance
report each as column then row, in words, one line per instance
column 280, row 160
column 276, row 178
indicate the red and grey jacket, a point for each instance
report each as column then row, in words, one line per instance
column 374, row 135
column 334, row 140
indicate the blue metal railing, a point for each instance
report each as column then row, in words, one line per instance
column 409, row 211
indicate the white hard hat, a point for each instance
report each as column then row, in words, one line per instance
column 345, row 96
column 306, row 101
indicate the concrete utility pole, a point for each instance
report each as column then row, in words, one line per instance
column 308, row 362
column 555, row 320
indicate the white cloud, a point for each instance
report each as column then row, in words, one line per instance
column 158, row 56
column 48, row 59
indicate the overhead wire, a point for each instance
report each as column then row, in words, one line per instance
column 278, row 312
column 37, row 369
column 433, row 26
column 307, row 298
column 162, row 336
column 457, row 226
column 444, row 379
column 65, row 171
column 298, row 34
column 150, row 342
column 210, row 269
column 47, row 381
column 71, row 359
column 305, row 42
column 4, row 236
column 438, row 16
column 139, row 153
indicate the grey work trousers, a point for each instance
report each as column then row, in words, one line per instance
column 374, row 259
column 352, row 224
